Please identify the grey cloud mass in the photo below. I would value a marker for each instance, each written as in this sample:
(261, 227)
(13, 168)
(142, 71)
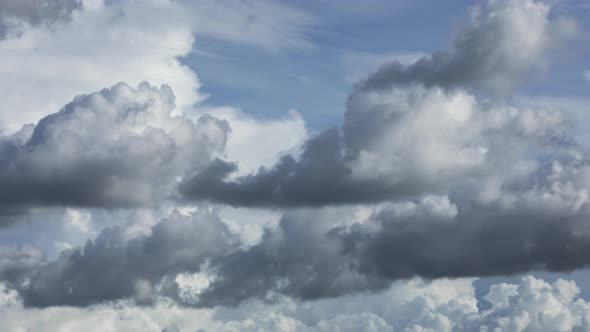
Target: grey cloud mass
(118, 147)
(318, 178)
(430, 239)
(113, 267)
(492, 52)
(33, 12)
(322, 253)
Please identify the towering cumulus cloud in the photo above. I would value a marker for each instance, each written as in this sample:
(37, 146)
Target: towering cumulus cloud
(114, 148)
(417, 129)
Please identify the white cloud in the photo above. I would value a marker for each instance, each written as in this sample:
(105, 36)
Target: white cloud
(101, 45)
(130, 41)
(259, 142)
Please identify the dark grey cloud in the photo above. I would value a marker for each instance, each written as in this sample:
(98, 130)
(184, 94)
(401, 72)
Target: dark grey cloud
(427, 240)
(34, 13)
(413, 130)
(539, 224)
(319, 177)
(118, 147)
(303, 258)
(113, 267)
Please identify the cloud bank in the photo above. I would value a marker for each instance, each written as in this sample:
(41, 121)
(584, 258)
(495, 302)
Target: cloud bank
(530, 305)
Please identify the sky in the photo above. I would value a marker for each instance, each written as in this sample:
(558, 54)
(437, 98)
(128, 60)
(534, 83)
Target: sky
(318, 165)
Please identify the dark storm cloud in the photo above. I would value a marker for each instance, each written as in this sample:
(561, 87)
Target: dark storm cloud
(497, 244)
(318, 178)
(118, 147)
(390, 145)
(34, 13)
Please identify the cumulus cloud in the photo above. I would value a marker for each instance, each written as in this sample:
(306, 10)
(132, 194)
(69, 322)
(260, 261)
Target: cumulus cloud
(495, 51)
(114, 148)
(255, 143)
(415, 129)
(392, 146)
(126, 268)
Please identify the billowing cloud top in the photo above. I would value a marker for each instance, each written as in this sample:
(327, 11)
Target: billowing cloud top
(117, 147)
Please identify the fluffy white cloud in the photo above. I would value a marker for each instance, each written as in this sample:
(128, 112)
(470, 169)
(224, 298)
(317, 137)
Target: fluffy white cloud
(43, 69)
(130, 41)
(255, 143)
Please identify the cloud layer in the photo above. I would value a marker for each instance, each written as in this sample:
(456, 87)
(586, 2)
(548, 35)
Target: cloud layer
(444, 305)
